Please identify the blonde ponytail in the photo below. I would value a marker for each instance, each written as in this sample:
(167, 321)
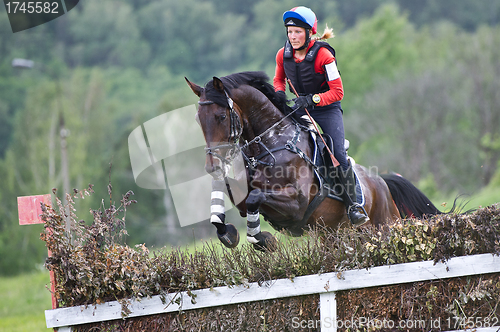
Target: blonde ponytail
(327, 34)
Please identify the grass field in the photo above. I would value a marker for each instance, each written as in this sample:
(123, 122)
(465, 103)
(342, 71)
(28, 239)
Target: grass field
(23, 301)
(484, 198)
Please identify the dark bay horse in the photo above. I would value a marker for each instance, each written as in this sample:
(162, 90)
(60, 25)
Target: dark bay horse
(241, 116)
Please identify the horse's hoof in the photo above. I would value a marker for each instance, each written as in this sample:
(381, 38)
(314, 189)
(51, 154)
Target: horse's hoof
(267, 242)
(230, 238)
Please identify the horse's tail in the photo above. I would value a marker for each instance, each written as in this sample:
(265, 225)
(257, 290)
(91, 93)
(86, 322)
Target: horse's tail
(410, 201)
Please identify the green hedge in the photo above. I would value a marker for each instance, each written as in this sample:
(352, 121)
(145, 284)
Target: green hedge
(92, 265)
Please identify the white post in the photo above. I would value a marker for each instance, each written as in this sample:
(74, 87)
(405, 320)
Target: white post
(64, 329)
(328, 312)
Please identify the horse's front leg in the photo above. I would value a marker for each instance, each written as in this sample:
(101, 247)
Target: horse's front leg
(261, 240)
(227, 233)
(285, 207)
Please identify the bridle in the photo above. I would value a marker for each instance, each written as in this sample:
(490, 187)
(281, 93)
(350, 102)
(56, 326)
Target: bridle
(236, 130)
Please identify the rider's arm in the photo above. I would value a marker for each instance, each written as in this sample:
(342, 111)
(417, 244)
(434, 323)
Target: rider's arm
(279, 80)
(325, 64)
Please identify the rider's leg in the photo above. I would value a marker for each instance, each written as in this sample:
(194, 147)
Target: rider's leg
(356, 213)
(331, 122)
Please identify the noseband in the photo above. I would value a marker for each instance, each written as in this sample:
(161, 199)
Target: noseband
(236, 130)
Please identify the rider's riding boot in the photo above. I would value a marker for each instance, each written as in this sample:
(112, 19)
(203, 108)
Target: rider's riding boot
(356, 213)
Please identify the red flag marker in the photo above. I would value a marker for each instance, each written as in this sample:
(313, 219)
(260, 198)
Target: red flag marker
(30, 210)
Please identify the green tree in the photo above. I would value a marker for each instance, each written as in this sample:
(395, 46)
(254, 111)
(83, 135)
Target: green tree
(375, 48)
(479, 55)
(468, 14)
(440, 120)
(107, 33)
(192, 37)
(32, 163)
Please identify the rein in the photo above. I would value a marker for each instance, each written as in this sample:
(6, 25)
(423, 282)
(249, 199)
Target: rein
(236, 131)
(257, 139)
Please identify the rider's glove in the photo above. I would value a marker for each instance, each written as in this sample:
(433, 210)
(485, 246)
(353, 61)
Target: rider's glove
(303, 102)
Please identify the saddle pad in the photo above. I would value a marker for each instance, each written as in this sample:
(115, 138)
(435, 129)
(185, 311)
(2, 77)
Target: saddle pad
(319, 162)
(360, 196)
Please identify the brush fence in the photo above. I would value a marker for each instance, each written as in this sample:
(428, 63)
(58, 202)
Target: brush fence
(325, 285)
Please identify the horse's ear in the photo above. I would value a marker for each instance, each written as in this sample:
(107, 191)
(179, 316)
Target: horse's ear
(218, 85)
(196, 88)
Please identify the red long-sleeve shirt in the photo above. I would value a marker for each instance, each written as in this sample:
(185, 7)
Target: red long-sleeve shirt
(323, 59)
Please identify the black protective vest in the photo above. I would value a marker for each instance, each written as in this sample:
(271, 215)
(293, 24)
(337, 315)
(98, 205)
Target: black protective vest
(302, 74)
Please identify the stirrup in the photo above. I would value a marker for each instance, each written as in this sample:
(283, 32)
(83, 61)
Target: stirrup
(362, 217)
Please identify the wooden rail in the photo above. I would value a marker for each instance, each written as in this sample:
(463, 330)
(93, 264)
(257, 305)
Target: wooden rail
(326, 285)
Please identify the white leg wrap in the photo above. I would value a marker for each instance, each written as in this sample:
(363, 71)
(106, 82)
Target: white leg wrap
(253, 217)
(217, 208)
(215, 219)
(252, 240)
(253, 226)
(217, 195)
(253, 231)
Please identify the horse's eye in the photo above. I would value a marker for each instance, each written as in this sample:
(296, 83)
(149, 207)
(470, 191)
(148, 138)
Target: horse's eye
(222, 117)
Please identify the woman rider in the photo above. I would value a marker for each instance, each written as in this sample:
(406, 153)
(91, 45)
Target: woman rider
(311, 67)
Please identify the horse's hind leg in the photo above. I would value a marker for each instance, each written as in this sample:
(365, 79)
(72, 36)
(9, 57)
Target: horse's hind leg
(260, 240)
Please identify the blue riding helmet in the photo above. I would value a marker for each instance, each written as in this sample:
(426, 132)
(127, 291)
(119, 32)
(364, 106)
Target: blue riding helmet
(301, 14)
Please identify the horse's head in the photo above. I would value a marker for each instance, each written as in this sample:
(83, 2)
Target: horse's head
(221, 125)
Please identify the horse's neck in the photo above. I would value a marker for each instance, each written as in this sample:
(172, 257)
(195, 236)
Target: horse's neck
(260, 114)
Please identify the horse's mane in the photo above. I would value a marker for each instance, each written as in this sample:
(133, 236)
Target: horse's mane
(256, 79)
